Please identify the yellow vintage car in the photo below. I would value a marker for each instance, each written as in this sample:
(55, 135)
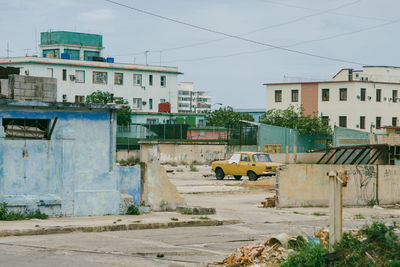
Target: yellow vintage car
(251, 164)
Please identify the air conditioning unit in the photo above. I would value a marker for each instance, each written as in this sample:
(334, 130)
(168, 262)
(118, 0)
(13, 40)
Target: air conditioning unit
(27, 72)
(358, 97)
(369, 98)
(358, 126)
(72, 77)
(385, 98)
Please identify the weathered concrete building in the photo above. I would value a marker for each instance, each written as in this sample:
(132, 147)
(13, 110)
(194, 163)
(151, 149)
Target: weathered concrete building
(61, 158)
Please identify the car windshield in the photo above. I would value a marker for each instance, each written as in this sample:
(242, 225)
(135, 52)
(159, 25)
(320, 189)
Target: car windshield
(261, 158)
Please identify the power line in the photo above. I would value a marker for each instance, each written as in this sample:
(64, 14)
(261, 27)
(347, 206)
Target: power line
(314, 9)
(234, 36)
(250, 32)
(295, 44)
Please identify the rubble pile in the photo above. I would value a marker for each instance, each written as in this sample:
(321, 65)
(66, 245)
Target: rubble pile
(272, 252)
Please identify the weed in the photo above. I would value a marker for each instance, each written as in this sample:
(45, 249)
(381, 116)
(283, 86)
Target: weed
(132, 161)
(193, 168)
(307, 256)
(204, 218)
(179, 170)
(174, 219)
(371, 203)
(187, 213)
(133, 210)
(359, 217)
(119, 220)
(195, 162)
(297, 212)
(170, 163)
(319, 214)
(6, 215)
(183, 163)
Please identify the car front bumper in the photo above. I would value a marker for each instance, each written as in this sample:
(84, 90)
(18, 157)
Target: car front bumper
(268, 173)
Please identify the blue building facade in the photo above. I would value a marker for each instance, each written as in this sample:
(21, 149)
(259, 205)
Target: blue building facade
(61, 158)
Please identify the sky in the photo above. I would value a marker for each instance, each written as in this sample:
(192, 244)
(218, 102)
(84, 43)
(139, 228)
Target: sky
(351, 33)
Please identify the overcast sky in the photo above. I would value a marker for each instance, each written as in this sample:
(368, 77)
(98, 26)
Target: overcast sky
(232, 70)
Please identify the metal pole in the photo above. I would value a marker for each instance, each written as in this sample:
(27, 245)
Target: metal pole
(335, 209)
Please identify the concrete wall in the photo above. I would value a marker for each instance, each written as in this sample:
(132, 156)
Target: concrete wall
(125, 154)
(32, 88)
(303, 185)
(181, 152)
(158, 192)
(72, 174)
(300, 157)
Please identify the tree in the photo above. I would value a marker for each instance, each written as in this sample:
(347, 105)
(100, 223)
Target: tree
(226, 117)
(295, 119)
(123, 114)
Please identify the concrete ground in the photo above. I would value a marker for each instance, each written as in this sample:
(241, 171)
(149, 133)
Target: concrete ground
(187, 246)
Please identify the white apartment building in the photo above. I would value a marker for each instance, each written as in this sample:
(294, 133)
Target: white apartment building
(191, 101)
(355, 99)
(75, 60)
(143, 86)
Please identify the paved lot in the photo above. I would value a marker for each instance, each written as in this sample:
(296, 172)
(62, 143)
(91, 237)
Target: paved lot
(191, 246)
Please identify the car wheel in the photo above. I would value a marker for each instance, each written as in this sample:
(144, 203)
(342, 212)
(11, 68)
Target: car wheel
(219, 174)
(252, 176)
(237, 177)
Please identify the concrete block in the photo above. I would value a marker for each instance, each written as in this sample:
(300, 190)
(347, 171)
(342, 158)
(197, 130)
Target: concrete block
(195, 210)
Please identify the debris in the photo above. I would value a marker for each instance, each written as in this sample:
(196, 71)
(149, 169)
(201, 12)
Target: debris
(323, 235)
(377, 207)
(270, 202)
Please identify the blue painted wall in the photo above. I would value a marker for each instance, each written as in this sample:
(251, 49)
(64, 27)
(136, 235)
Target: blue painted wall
(74, 173)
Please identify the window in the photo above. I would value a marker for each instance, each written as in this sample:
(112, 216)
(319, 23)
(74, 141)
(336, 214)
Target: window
(394, 121)
(137, 79)
(64, 74)
(278, 95)
(26, 128)
(163, 81)
(203, 133)
(325, 94)
(150, 80)
(378, 95)
(118, 78)
(378, 122)
(343, 94)
(245, 157)
(79, 99)
(343, 121)
(362, 94)
(80, 76)
(137, 103)
(64, 98)
(295, 95)
(99, 77)
(162, 100)
(150, 103)
(325, 120)
(362, 122)
(394, 95)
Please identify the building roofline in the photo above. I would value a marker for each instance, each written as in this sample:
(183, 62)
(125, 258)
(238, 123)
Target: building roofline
(72, 45)
(330, 82)
(56, 105)
(168, 114)
(89, 64)
(375, 66)
(340, 72)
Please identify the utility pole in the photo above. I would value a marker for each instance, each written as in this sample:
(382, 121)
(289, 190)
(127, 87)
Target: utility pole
(160, 56)
(27, 51)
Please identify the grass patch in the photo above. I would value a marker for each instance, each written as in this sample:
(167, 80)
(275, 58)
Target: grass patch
(174, 219)
(371, 203)
(297, 212)
(132, 161)
(359, 217)
(319, 214)
(6, 215)
(193, 168)
(133, 210)
(184, 163)
(204, 218)
(179, 170)
(379, 247)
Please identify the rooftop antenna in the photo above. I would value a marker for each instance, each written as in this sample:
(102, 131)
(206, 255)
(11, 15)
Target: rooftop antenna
(160, 56)
(27, 51)
(145, 54)
(134, 60)
(36, 43)
(8, 49)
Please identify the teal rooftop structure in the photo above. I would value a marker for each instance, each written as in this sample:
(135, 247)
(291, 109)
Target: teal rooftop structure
(71, 45)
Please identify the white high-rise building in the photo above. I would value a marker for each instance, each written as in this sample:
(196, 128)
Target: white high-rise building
(191, 101)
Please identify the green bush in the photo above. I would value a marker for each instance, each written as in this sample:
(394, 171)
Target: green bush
(6, 215)
(133, 210)
(307, 256)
